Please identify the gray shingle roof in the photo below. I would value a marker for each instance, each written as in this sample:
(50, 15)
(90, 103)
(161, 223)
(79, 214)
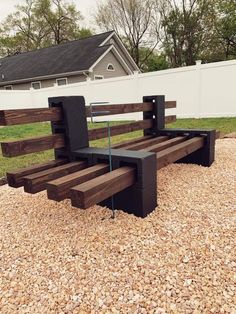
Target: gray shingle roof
(77, 55)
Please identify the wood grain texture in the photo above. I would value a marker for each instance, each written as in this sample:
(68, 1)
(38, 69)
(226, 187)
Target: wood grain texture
(98, 189)
(146, 143)
(59, 189)
(126, 108)
(99, 133)
(36, 182)
(15, 178)
(32, 145)
(95, 134)
(23, 116)
(170, 119)
(133, 141)
(170, 104)
(120, 108)
(165, 144)
(176, 152)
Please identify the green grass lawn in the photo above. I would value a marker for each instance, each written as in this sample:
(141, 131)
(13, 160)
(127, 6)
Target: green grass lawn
(224, 125)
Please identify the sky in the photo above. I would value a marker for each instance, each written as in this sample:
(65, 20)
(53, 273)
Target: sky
(85, 6)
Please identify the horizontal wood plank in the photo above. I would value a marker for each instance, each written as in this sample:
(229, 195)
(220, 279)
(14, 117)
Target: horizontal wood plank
(165, 144)
(23, 116)
(99, 133)
(147, 143)
(133, 141)
(125, 108)
(98, 189)
(120, 108)
(170, 104)
(59, 189)
(15, 178)
(32, 145)
(36, 182)
(95, 134)
(170, 119)
(176, 152)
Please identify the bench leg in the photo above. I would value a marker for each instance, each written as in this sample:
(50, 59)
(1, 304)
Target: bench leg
(204, 156)
(139, 202)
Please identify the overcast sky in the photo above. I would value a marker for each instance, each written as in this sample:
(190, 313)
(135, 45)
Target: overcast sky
(85, 6)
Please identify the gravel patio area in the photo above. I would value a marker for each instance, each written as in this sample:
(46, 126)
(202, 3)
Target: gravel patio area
(181, 259)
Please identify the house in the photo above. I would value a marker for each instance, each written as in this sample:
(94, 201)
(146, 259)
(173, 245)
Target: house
(96, 57)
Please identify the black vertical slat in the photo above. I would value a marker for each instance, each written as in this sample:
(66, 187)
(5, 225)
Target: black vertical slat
(73, 125)
(157, 114)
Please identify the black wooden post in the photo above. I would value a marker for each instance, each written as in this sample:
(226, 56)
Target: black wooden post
(157, 114)
(73, 126)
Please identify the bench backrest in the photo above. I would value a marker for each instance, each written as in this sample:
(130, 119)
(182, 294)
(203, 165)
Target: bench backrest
(69, 124)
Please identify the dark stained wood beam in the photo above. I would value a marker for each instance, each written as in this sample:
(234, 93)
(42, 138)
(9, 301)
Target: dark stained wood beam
(146, 143)
(126, 108)
(59, 189)
(32, 145)
(99, 133)
(95, 134)
(120, 108)
(96, 190)
(23, 116)
(165, 144)
(36, 182)
(176, 152)
(170, 104)
(170, 119)
(15, 178)
(133, 141)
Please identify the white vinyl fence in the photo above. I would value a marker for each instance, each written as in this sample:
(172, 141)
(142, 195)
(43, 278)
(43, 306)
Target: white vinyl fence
(203, 90)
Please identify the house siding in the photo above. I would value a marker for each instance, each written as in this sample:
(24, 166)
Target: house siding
(122, 54)
(47, 83)
(101, 67)
(76, 79)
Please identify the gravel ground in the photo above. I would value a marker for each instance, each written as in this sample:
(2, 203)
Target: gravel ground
(181, 259)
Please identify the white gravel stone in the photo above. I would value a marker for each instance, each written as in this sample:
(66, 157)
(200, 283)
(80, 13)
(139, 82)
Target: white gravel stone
(180, 259)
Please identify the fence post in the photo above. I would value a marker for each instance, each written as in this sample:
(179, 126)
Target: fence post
(199, 88)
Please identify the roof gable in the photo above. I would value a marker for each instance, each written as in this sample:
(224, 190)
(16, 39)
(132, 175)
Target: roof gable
(115, 40)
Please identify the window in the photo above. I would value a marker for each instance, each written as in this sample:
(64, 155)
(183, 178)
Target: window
(36, 85)
(98, 77)
(8, 87)
(61, 81)
(110, 67)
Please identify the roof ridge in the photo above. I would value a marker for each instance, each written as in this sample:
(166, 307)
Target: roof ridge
(64, 43)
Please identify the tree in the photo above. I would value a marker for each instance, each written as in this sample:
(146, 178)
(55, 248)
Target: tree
(23, 30)
(226, 27)
(38, 24)
(135, 21)
(62, 19)
(187, 29)
(155, 62)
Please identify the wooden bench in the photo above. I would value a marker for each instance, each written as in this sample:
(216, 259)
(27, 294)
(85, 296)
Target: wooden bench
(82, 173)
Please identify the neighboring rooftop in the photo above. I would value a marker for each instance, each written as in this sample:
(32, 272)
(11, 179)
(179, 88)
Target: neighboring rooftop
(74, 56)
